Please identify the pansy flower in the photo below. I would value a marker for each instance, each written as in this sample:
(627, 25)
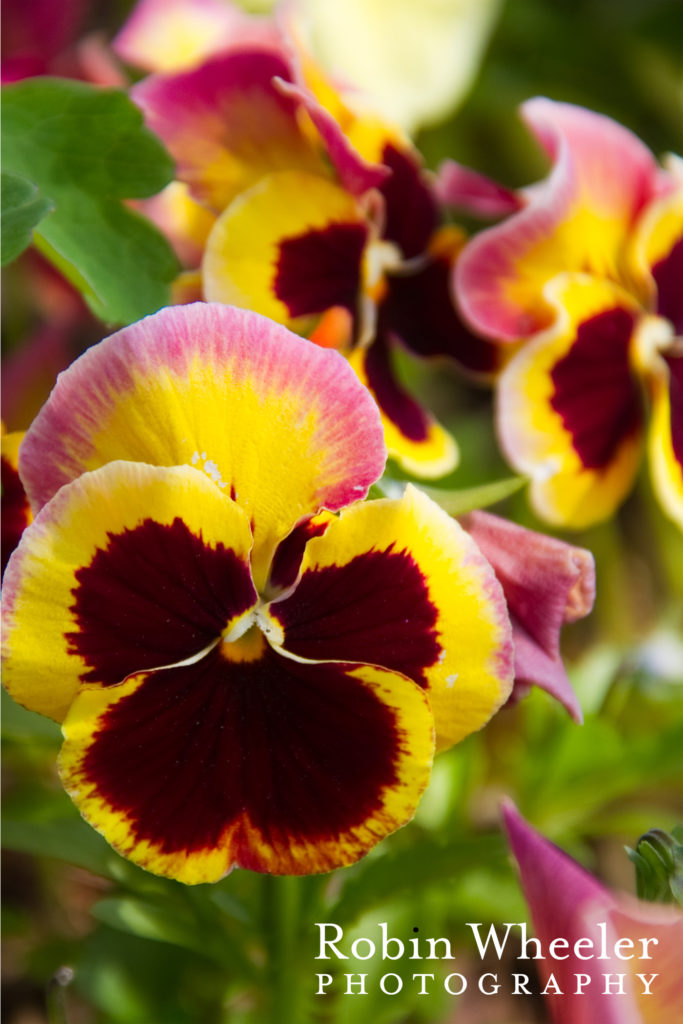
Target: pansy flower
(251, 665)
(603, 935)
(325, 221)
(588, 276)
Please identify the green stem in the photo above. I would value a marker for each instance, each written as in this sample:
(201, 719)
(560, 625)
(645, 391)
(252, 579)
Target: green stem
(281, 917)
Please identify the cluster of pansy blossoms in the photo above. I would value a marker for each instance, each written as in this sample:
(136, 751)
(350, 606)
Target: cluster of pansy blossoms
(582, 284)
(297, 201)
(252, 665)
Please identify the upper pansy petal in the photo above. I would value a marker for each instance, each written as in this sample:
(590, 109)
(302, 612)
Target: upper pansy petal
(258, 761)
(16, 510)
(413, 437)
(226, 124)
(665, 442)
(291, 246)
(546, 583)
(172, 35)
(577, 219)
(129, 567)
(282, 426)
(400, 584)
(570, 405)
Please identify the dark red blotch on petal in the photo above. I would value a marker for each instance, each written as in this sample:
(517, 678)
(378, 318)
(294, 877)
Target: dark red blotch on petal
(420, 310)
(596, 393)
(393, 400)
(16, 511)
(675, 364)
(411, 211)
(321, 269)
(668, 275)
(304, 750)
(375, 609)
(155, 595)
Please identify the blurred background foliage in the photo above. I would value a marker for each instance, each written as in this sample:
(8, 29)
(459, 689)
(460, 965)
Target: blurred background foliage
(91, 939)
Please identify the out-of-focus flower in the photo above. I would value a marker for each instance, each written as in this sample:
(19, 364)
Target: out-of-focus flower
(410, 60)
(568, 903)
(16, 511)
(588, 276)
(244, 676)
(326, 222)
(546, 583)
(44, 37)
(174, 35)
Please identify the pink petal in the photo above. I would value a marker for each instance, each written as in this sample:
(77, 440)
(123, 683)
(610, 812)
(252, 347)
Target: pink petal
(546, 583)
(468, 190)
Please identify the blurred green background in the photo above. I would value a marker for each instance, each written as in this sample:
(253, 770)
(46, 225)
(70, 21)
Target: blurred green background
(90, 939)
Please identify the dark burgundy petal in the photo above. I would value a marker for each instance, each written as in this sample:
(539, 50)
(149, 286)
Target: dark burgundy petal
(321, 269)
(394, 402)
(675, 364)
(286, 562)
(598, 364)
(411, 212)
(16, 511)
(420, 310)
(155, 595)
(668, 275)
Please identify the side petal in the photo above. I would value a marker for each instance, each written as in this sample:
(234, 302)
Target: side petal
(578, 219)
(289, 247)
(226, 124)
(16, 510)
(665, 442)
(279, 424)
(473, 193)
(400, 584)
(413, 437)
(129, 567)
(265, 764)
(570, 405)
(546, 583)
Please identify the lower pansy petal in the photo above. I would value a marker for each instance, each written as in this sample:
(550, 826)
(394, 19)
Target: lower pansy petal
(278, 424)
(570, 405)
(129, 567)
(259, 762)
(666, 436)
(413, 437)
(289, 247)
(400, 584)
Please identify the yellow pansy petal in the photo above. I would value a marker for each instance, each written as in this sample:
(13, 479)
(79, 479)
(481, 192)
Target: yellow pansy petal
(128, 568)
(400, 584)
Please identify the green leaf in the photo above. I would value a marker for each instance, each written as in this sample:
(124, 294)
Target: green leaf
(22, 208)
(87, 149)
(65, 839)
(458, 503)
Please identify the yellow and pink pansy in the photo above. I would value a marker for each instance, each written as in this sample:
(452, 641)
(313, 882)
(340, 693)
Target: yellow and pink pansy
(251, 667)
(318, 210)
(584, 282)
